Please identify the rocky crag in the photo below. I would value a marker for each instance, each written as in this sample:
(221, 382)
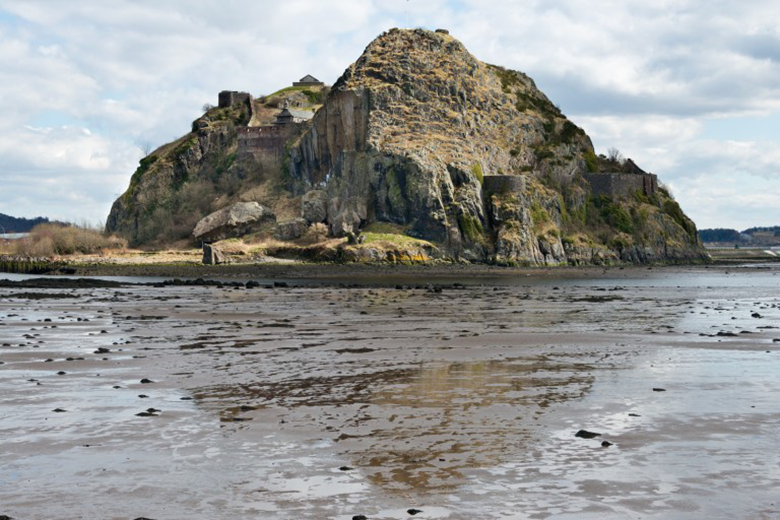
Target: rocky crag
(420, 135)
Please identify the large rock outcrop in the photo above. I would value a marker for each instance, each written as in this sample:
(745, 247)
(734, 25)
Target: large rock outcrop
(239, 219)
(420, 137)
(413, 130)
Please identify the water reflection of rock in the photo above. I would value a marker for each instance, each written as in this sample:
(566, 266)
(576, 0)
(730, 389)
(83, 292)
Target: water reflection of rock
(448, 418)
(421, 428)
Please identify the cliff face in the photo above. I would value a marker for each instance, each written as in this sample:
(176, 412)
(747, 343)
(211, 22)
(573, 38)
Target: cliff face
(181, 182)
(474, 157)
(420, 134)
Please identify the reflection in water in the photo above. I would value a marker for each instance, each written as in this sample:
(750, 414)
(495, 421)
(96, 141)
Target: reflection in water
(459, 416)
(419, 428)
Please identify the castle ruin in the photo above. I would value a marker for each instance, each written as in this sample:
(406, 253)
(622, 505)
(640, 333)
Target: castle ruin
(622, 185)
(228, 98)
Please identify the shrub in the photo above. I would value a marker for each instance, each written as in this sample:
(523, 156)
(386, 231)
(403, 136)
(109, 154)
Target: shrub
(316, 97)
(569, 132)
(66, 239)
(614, 156)
(673, 209)
(274, 101)
(476, 169)
(315, 233)
(543, 153)
(539, 214)
(618, 217)
(591, 161)
(507, 77)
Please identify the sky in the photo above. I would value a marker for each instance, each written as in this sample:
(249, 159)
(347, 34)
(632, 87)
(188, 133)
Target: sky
(689, 89)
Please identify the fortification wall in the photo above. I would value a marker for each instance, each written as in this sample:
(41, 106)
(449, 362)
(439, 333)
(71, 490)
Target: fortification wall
(267, 141)
(228, 98)
(622, 185)
(500, 184)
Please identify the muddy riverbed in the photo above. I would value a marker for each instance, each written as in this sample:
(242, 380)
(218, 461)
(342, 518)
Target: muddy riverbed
(452, 399)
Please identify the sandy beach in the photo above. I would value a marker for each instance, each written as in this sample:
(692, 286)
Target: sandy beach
(454, 393)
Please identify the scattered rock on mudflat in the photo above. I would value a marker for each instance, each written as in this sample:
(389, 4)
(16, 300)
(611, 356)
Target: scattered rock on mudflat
(146, 381)
(413, 511)
(659, 389)
(606, 444)
(585, 434)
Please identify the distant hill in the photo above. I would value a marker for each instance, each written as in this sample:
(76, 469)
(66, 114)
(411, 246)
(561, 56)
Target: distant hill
(19, 225)
(756, 236)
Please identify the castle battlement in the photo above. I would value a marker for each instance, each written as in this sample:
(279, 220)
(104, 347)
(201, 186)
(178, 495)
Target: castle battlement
(622, 185)
(228, 98)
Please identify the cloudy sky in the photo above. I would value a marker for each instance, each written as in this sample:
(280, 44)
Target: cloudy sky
(690, 89)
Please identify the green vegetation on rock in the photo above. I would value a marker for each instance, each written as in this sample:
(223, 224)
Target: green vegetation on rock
(470, 227)
(476, 170)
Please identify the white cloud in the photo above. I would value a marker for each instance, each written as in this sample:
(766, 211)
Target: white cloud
(643, 77)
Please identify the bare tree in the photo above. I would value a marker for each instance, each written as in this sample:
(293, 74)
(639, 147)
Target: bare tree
(145, 147)
(614, 156)
(207, 107)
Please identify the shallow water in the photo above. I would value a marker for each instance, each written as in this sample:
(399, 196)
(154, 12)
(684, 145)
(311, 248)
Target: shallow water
(462, 403)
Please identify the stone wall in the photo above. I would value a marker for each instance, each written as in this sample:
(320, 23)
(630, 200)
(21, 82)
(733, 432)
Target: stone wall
(268, 140)
(622, 185)
(228, 98)
(500, 184)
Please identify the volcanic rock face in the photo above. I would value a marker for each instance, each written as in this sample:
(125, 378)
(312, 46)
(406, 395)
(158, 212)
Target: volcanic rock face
(420, 134)
(413, 130)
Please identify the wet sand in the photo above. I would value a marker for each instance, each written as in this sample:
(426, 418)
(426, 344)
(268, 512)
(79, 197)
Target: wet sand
(462, 401)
